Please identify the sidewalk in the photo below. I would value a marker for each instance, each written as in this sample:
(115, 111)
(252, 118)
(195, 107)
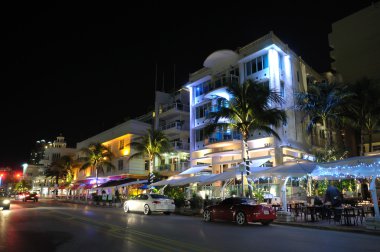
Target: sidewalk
(325, 225)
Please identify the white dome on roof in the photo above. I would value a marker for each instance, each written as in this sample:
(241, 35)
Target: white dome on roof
(221, 58)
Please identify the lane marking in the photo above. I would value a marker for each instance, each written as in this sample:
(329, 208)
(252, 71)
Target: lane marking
(156, 242)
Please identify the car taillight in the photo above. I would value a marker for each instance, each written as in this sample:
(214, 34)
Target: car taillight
(156, 202)
(37, 195)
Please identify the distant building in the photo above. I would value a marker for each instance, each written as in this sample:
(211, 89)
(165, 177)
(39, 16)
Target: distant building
(355, 40)
(172, 114)
(45, 153)
(118, 140)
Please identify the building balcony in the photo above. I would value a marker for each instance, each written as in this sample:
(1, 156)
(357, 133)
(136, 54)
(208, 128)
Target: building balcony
(222, 139)
(218, 86)
(181, 146)
(172, 169)
(172, 110)
(174, 127)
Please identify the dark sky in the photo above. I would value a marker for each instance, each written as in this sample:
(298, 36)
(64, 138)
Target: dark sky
(78, 69)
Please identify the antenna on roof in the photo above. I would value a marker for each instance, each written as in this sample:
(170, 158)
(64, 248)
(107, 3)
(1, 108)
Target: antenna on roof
(174, 78)
(163, 82)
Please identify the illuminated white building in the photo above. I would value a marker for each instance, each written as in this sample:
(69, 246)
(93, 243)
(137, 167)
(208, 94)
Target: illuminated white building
(267, 59)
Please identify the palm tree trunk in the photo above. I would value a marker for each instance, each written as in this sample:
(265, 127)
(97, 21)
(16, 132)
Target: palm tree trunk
(246, 163)
(361, 142)
(56, 184)
(370, 140)
(96, 175)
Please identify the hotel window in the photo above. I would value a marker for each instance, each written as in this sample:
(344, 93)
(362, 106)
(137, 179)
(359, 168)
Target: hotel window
(282, 89)
(257, 64)
(121, 144)
(248, 68)
(199, 135)
(120, 164)
(280, 61)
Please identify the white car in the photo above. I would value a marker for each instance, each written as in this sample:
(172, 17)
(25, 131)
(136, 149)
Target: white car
(148, 203)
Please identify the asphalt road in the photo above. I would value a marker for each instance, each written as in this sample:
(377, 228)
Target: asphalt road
(49, 225)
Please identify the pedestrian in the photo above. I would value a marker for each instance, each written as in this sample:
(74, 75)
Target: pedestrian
(333, 195)
(125, 192)
(104, 197)
(117, 194)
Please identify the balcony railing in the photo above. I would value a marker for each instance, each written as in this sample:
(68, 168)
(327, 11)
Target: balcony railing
(177, 106)
(179, 145)
(223, 136)
(177, 167)
(225, 80)
(173, 125)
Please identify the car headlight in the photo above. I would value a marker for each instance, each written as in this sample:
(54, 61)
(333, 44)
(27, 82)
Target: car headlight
(6, 201)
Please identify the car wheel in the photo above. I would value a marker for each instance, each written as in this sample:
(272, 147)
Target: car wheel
(266, 222)
(167, 213)
(126, 208)
(207, 215)
(147, 210)
(240, 218)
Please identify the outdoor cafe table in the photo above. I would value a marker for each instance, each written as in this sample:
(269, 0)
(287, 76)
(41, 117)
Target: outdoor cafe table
(349, 215)
(312, 211)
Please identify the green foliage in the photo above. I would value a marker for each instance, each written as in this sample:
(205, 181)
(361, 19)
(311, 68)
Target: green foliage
(176, 193)
(321, 186)
(23, 186)
(329, 154)
(196, 202)
(347, 184)
(258, 193)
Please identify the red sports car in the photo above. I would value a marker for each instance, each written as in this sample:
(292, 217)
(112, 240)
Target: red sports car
(240, 210)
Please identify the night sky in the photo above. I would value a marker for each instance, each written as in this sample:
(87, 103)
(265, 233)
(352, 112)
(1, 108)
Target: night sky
(79, 69)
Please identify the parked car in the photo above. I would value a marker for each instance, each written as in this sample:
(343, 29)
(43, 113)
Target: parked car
(5, 202)
(239, 210)
(30, 196)
(148, 203)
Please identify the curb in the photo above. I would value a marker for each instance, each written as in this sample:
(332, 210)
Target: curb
(332, 228)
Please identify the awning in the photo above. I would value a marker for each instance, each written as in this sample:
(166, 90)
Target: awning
(189, 180)
(293, 169)
(74, 187)
(196, 169)
(363, 166)
(256, 162)
(134, 183)
(89, 186)
(221, 177)
(168, 181)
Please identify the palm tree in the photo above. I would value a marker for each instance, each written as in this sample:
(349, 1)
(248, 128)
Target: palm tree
(98, 157)
(365, 112)
(249, 109)
(152, 145)
(323, 104)
(60, 169)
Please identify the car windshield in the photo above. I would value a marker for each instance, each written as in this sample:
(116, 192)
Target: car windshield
(159, 196)
(248, 201)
